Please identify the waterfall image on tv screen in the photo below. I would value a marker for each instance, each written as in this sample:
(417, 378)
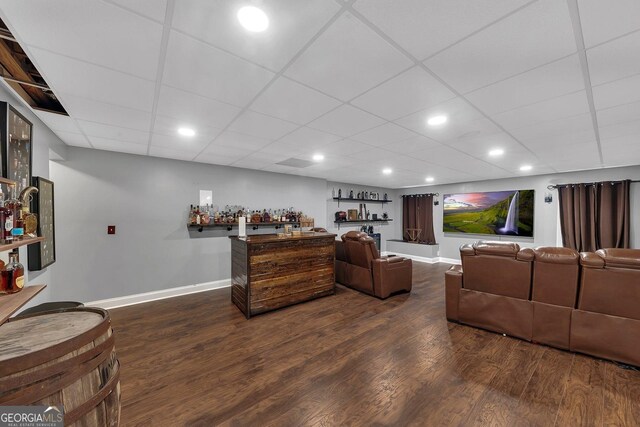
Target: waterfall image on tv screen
(493, 212)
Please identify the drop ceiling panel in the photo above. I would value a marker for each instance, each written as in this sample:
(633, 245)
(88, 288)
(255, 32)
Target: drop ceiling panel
(81, 79)
(171, 153)
(385, 134)
(410, 145)
(549, 81)
(615, 60)
(623, 91)
(536, 35)
(292, 23)
(480, 145)
(458, 113)
(197, 67)
(187, 145)
(194, 110)
(73, 139)
(57, 121)
(346, 121)
(153, 9)
(347, 59)
(307, 138)
(291, 101)
(118, 145)
(260, 125)
(100, 112)
(425, 27)
(619, 114)
(631, 129)
(90, 30)
(92, 129)
(604, 20)
(169, 126)
(241, 140)
(559, 107)
(568, 131)
(411, 91)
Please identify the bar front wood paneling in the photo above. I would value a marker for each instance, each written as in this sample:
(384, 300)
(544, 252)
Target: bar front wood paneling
(269, 272)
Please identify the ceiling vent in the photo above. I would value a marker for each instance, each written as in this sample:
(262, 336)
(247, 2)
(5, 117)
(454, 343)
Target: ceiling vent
(295, 163)
(19, 72)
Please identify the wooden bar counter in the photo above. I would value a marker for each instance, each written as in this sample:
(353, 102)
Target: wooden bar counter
(269, 272)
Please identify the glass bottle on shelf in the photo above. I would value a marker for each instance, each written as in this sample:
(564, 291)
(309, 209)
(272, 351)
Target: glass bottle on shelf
(4, 216)
(15, 206)
(12, 275)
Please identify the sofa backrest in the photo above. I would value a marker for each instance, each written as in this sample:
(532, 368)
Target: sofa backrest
(499, 268)
(556, 273)
(360, 248)
(610, 282)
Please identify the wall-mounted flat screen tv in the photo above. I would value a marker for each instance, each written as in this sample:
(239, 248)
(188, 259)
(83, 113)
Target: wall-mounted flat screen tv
(495, 212)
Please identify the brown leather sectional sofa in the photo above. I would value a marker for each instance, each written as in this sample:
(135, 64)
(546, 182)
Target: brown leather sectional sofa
(360, 266)
(588, 303)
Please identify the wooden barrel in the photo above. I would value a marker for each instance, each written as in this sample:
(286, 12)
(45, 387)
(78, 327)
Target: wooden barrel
(64, 358)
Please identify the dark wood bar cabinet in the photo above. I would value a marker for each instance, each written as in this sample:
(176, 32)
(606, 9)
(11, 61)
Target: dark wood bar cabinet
(270, 271)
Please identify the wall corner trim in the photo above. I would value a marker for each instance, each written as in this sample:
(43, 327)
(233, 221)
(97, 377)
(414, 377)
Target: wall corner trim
(127, 300)
(434, 260)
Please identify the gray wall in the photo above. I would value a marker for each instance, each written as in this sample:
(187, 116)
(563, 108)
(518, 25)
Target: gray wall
(43, 141)
(148, 200)
(546, 224)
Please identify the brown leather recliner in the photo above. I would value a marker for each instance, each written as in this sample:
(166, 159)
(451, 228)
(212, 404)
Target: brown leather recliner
(606, 322)
(368, 272)
(554, 293)
(495, 288)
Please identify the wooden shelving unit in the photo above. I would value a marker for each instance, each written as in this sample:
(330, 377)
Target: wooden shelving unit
(360, 221)
(25, 241)
(349, 199)
(11, 303)
(250, 225)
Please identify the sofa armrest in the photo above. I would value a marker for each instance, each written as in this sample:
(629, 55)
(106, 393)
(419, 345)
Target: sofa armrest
(452, 286)
(391, 275)
(591, 260)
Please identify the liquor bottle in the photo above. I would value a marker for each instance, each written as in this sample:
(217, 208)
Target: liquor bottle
(4, 215)
(12, 275)
(15, 206)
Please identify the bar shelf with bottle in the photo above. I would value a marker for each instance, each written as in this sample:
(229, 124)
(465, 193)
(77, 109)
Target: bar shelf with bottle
(13, 293)
(233, 216)
(361, 221)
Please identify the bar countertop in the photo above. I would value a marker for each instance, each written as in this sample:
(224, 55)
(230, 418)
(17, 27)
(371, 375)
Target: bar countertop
(269, 238)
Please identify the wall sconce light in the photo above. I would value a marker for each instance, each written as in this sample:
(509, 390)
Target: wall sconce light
(436, 202)
(548, 198)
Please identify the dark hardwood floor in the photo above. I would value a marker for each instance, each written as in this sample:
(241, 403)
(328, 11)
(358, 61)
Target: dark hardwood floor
(351, 359)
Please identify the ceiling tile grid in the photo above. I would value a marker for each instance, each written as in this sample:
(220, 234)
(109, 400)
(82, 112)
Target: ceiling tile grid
(354, 81)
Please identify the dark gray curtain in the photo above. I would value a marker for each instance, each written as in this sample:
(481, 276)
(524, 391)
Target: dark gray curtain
(595, 216)
(417, 213)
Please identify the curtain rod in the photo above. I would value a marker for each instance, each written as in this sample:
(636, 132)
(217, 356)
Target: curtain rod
(420, 195)
(553, 187)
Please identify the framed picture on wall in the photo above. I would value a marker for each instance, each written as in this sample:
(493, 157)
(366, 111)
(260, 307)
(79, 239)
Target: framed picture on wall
(17, 151)
(43, 254)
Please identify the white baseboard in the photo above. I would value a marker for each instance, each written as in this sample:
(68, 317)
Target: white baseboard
(434, 260)
(158, 295)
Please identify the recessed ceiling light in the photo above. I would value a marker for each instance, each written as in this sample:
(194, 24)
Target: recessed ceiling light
(526, 168)
(318, 157)
(496, 152)
(186, 131)
(387, 171)
(437, 120)
(429, 179)
(253, 19)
